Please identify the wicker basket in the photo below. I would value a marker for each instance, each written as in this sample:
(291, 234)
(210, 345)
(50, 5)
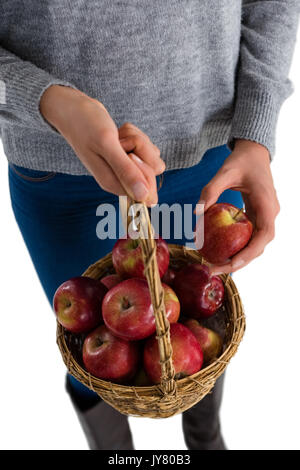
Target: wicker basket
(171, 396)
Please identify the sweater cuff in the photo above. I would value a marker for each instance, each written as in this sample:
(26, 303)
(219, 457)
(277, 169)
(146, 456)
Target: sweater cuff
(23, 95)
(255, 118)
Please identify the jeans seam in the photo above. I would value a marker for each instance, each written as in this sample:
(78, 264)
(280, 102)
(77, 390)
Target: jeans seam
(32, 179)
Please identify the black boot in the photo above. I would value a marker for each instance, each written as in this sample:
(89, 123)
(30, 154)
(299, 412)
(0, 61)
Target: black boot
(201, 425)
(104, 427)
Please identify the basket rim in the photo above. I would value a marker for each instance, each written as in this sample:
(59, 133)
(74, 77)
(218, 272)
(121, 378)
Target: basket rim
(239, 329)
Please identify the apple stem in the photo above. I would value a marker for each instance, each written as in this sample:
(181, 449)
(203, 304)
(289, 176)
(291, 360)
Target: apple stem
(125, 304)
(238, 213)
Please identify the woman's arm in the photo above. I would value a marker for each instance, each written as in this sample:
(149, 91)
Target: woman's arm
(31, 97)
(123, 161)
(268, 37)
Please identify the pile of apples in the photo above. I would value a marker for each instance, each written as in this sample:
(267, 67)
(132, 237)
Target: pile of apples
(116, 317)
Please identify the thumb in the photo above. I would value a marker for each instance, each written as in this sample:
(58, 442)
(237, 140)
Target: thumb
(218, 184)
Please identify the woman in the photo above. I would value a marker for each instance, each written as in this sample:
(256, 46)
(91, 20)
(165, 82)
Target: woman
(98, 98)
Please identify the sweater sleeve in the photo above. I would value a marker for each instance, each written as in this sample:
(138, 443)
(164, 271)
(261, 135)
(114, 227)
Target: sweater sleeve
(21, 86)
(268, 35)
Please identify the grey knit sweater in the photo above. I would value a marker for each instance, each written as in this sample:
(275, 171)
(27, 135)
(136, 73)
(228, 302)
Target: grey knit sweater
(192, 74)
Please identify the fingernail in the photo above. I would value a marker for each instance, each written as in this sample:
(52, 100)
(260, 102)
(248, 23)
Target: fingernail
(152, 202)
(140, 191)
(238, 263)
(199, 209)
(136, 158)
(216, 273)
(162, 166)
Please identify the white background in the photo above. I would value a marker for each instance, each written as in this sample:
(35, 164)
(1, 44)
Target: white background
(261, 400)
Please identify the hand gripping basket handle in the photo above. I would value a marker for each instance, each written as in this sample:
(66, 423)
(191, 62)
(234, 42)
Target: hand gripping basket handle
(148, 245)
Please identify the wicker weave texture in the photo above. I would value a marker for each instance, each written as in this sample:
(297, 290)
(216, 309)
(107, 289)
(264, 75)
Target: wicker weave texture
(171, 396)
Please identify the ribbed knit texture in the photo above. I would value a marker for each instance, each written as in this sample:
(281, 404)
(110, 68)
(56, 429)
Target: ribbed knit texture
(255, 119)
(192, 75)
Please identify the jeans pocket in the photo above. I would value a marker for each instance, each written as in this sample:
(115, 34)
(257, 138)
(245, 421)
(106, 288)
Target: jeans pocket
(32, 175)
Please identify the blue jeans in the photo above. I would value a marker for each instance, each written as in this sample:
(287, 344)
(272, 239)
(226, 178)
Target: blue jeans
(56, 214)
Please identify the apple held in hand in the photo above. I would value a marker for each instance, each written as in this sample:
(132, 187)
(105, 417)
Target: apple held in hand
(128, 261)
(78, 304)
(187, 354)
(108, 357)
(199, 293)
(227, 230)
(211, 343)
(128, 312)
(111, 280)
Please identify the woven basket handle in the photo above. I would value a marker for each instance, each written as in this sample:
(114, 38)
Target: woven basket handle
(148, 245)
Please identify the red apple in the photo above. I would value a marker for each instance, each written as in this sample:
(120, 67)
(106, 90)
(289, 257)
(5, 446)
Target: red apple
(111, 280)
(199, 293)
(108, 357)
(169, 276)
(227, 230)
(77, 304)
(128, 312)
(172, 304)
(128, 260)
(141, 379)
(211, 343)
(187, 354)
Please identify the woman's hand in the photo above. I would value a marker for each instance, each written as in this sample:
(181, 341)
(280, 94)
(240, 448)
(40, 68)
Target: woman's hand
(101, 146)
(247, 169)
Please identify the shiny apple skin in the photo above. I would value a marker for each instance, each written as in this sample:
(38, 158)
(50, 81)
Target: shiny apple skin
(211, 342)
(200, 294)
(111, 280)
(128, 260)
(172, 304)
(224, 236)
(77, 304)
(128, 312)
(187, 354)
(110, 358)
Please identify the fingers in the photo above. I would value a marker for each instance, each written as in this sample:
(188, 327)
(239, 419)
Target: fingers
(104, 175)
(223, 180)
(130, 129)
(254, 249)
(150, 177)
(247, 169)
(108, 180)
(146, 151)
(129, 174)
(134, 140)
(94, 138)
